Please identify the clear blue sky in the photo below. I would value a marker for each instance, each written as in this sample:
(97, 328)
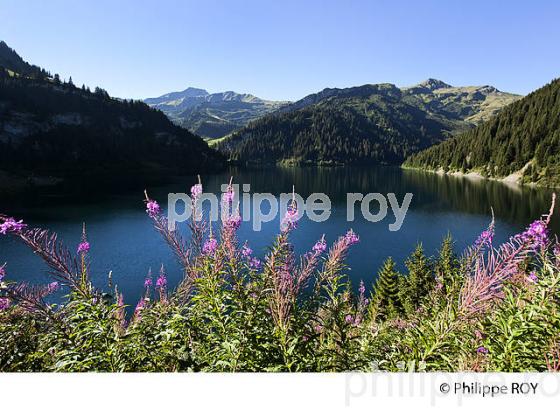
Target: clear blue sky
(286, 49)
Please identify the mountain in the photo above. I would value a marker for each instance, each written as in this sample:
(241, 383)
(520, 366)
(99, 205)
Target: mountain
(473, 104)
(369, 124)
(11, 62)
(521, 143)
(53, 131)
(212, 115)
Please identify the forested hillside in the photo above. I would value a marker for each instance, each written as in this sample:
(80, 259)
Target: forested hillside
(524, 138)
(50, 129)
(370, 124)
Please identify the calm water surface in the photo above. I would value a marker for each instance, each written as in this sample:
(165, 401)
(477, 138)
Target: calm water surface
(123, 240)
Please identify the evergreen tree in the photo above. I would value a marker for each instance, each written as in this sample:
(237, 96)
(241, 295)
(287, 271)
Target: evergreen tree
(447, 264)
(386, 297)
(420, 280)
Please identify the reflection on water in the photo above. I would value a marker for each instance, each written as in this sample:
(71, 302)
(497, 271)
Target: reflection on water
(124, 242)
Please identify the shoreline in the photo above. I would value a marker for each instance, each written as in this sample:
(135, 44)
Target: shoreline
(513, 180)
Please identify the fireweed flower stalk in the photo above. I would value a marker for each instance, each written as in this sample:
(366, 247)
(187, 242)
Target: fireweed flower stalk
(161, 285)
(308, 265)
(64, 267)
(2, 272)
(252, 262)
(484, 241)
(83, 249)
(197, 225)
(337, 314)
(286, 280)
(31, 298)
(4, 302)
(120, 314)
(173, 238)
(280, 271)
(279, 268)
(490, 271)
(289, 221)
(362, 304)
(175, 241)
(338, 253)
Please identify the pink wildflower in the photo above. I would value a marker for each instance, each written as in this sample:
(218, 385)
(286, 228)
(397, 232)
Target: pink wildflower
(320, 246)
(83, 247)
(152, 208)
(362, 289)
(228, 196)
(233, 222)
(482, 350)
(10, 225)
(255, 263)
(246, 251)
(351, 237)
(536, 233)
(484, 239)
(533, 278)
(289, 222)
(53, 287)
(4, 303)
(196, 191)
(210, 246)
(139, 307)
(161, 281)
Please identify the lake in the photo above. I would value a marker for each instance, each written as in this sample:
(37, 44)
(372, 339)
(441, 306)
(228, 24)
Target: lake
(124, 242)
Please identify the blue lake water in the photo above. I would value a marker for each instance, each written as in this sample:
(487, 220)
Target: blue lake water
(124, 242)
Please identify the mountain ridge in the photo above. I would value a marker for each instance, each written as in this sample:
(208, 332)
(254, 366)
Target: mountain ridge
(212, 115)
(368, 117)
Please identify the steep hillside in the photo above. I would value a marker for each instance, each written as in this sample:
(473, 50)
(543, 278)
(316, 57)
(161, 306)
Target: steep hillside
(370, 124)
(521, 143)
(52, 130)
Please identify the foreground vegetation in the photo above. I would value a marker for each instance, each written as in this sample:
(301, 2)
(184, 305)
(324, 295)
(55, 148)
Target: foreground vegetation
(492, 309)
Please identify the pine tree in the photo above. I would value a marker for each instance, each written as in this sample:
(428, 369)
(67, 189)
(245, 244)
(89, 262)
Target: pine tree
(386, 298)
(446, 268)
(420, 280)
